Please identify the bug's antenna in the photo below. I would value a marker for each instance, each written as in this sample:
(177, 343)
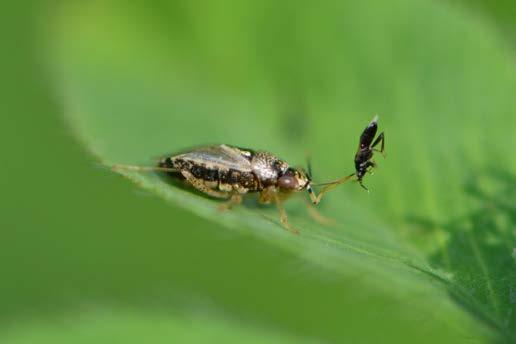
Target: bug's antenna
(119, 167)
(309, 166)
(311, 193)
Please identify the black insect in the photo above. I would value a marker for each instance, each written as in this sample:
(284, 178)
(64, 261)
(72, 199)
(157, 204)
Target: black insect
(364, 155)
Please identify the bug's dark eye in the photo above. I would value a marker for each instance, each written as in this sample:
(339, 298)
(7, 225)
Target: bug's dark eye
(287, 182)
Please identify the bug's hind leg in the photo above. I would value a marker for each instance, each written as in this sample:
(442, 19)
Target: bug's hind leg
(235, 199)
(199, 185)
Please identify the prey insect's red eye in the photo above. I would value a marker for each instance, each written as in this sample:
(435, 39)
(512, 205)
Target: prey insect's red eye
(287, 182)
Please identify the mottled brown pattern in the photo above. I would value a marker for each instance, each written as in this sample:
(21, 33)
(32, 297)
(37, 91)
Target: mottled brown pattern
(260, 170)
(209, 174)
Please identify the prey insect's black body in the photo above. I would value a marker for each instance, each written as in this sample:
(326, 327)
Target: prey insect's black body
(364, 155)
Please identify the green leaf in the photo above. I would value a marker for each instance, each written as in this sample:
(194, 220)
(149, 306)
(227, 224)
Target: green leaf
(436, 232)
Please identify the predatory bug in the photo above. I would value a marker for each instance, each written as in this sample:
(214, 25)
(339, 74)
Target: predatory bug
(228, 172)
(363, 157)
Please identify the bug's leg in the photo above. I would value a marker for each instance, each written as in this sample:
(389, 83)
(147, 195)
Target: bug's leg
(119, 167)
(317, 216)
(266, 196)
(380, 138)
(199, 185)
(283, 215)
(331, 186)
(235, 199)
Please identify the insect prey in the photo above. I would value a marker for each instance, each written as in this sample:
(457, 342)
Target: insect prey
(363, 157)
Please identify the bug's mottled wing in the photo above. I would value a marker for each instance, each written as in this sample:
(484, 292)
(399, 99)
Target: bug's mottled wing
(219, 157)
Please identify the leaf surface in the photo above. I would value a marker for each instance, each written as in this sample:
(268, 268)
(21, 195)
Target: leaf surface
(439, 225)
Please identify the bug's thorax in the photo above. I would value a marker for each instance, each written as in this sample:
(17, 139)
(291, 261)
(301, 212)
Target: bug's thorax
(267, 168)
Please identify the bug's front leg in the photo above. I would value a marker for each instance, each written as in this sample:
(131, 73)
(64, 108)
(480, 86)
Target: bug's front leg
(283, 215)
(271, 195)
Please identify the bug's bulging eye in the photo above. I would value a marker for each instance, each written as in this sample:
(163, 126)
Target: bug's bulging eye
(287, 182)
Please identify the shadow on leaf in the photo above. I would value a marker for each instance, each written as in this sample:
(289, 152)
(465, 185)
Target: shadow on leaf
(480, 251)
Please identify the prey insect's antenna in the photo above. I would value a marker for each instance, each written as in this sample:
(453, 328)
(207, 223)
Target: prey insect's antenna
(119, 167)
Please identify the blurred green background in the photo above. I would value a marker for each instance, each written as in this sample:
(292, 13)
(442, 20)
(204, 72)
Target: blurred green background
(89, 257)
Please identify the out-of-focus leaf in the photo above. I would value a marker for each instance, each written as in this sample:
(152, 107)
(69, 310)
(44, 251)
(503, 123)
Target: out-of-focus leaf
(128, 326)
(140, 81)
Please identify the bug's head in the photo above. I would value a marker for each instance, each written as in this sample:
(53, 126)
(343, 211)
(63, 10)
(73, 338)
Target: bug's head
(294, 179)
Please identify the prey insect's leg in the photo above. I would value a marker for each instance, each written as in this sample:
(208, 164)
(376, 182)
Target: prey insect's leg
(331, 186)
(235, 199)
(380, 138)
(363, 186)
(283, 215)
(199, 185)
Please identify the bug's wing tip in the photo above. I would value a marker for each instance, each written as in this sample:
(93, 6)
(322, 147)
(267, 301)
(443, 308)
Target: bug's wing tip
(375, 119)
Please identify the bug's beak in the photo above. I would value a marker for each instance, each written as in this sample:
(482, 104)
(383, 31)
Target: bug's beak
(311, 192)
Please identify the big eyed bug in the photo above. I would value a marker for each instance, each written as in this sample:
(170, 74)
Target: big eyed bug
(228, 172)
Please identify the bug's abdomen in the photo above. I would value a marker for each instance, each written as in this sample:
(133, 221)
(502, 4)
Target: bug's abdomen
(237, 180)
(170, 164)
(215, 177)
